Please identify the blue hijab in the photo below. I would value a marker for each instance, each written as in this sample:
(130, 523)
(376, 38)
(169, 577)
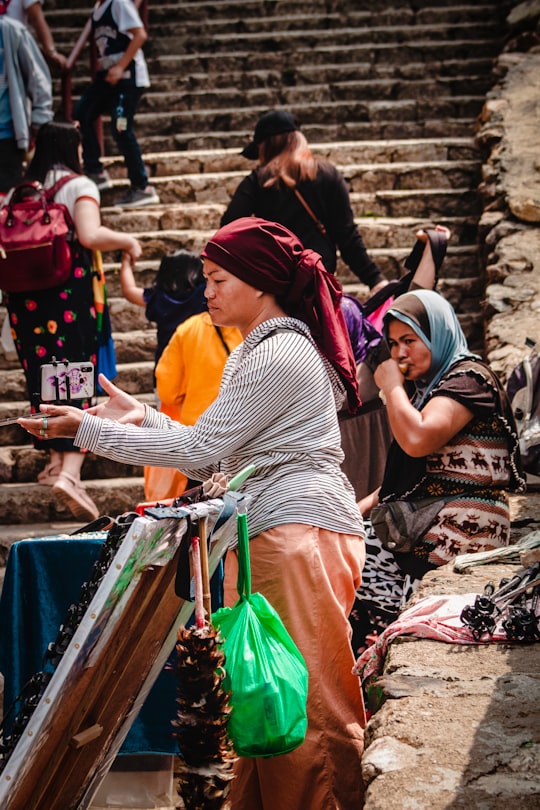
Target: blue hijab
(433, 319)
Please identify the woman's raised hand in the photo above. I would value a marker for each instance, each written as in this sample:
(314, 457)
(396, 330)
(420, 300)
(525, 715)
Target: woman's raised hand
(387, 375)
(120, 407)
(423, 237)
(425, 275)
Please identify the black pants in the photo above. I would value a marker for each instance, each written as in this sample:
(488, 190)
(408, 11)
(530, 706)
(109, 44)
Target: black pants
(104, 98)
(11, 163)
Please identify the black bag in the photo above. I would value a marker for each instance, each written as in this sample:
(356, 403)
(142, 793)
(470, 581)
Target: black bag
(35, 239)
(400, 525)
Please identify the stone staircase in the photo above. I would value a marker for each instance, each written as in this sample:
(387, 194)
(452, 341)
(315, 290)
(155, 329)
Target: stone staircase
(388, 91)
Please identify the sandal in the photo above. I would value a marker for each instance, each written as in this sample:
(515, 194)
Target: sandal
(73, 495)
(49, 475)
(438, 240)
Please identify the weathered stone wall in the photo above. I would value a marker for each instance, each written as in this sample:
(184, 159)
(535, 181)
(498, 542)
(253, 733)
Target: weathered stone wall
(459, 725)
(510, 226)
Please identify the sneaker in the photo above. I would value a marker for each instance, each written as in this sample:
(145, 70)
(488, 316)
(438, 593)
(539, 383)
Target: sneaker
(101, 179)
(138, 197)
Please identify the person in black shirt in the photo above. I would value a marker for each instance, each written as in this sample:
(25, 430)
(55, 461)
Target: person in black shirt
(323, 219)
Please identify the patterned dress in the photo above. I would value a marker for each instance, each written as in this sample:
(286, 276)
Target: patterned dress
(59, 322)
(478, 466)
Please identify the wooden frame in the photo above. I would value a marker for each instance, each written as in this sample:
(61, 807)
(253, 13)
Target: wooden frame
(113, 660)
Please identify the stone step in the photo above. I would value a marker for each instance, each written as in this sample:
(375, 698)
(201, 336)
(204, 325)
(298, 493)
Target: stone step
(199, 161)
(256, 31)
(217, 187)
(357, 120)
(193, 238)
(288, 35)
(459, 93)
(262, 16)
(385, 234)
(412, 40)
(26, 531)
(33, 503)
(431, 204)
(391, 53)
(217, 137)
(385, 9)
(20, 464)
(228, 53)
(332, 84)
(403, 79)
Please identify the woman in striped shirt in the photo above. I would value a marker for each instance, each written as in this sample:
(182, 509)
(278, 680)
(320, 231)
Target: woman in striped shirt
(276, 409)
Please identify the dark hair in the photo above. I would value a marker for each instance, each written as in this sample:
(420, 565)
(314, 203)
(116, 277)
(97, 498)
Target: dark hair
(179, 273)
(57, 144)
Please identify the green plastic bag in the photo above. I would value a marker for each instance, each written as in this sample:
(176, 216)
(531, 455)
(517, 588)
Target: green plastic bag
(264, 670)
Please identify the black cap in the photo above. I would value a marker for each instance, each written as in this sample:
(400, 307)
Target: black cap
(271, 123)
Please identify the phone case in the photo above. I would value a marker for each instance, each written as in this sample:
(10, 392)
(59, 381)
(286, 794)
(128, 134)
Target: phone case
(67, 381)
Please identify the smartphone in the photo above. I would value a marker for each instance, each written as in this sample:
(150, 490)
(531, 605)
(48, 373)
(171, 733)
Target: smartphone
(65, 381)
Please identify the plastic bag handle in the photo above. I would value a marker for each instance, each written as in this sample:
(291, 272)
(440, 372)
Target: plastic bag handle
(243, 583)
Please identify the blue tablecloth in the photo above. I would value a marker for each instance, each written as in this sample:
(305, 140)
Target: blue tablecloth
(43, 578)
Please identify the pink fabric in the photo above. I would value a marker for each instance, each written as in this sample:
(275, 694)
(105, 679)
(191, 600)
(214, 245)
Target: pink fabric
(376, 317)
(433, 617)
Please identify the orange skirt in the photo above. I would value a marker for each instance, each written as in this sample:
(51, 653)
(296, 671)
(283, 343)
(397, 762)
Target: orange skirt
(310, 576)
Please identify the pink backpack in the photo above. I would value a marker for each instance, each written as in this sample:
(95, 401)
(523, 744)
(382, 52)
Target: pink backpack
(36, 234)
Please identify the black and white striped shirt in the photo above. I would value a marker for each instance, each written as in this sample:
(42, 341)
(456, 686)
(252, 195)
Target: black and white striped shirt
(276, 409)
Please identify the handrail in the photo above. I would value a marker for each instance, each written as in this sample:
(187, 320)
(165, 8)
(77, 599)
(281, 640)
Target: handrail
(67, 95)
(67, 98)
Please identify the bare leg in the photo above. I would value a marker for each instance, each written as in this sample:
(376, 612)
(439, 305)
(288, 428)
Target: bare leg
(49, 474)
(70, 491)
(72, 464)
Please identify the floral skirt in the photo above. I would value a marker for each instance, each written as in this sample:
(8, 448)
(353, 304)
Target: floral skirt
(60, 323)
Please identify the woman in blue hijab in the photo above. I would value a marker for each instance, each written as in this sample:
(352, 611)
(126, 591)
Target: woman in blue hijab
(454, 453)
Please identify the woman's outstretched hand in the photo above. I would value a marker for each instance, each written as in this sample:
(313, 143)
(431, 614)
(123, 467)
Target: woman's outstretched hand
(58, 422)
(62, 421)
(120, 407)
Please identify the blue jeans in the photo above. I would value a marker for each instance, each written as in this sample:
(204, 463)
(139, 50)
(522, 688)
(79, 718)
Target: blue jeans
(103, 98)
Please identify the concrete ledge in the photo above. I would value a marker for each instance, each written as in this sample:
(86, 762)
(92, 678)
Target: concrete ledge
(460, 725)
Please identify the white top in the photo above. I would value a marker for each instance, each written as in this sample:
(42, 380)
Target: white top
(80, 186)
(276, 408)
(18, 9)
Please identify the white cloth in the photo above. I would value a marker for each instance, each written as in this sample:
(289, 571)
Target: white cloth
(275, 409)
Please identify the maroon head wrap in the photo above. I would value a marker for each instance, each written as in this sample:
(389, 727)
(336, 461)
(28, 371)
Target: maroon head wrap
(271, 258)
